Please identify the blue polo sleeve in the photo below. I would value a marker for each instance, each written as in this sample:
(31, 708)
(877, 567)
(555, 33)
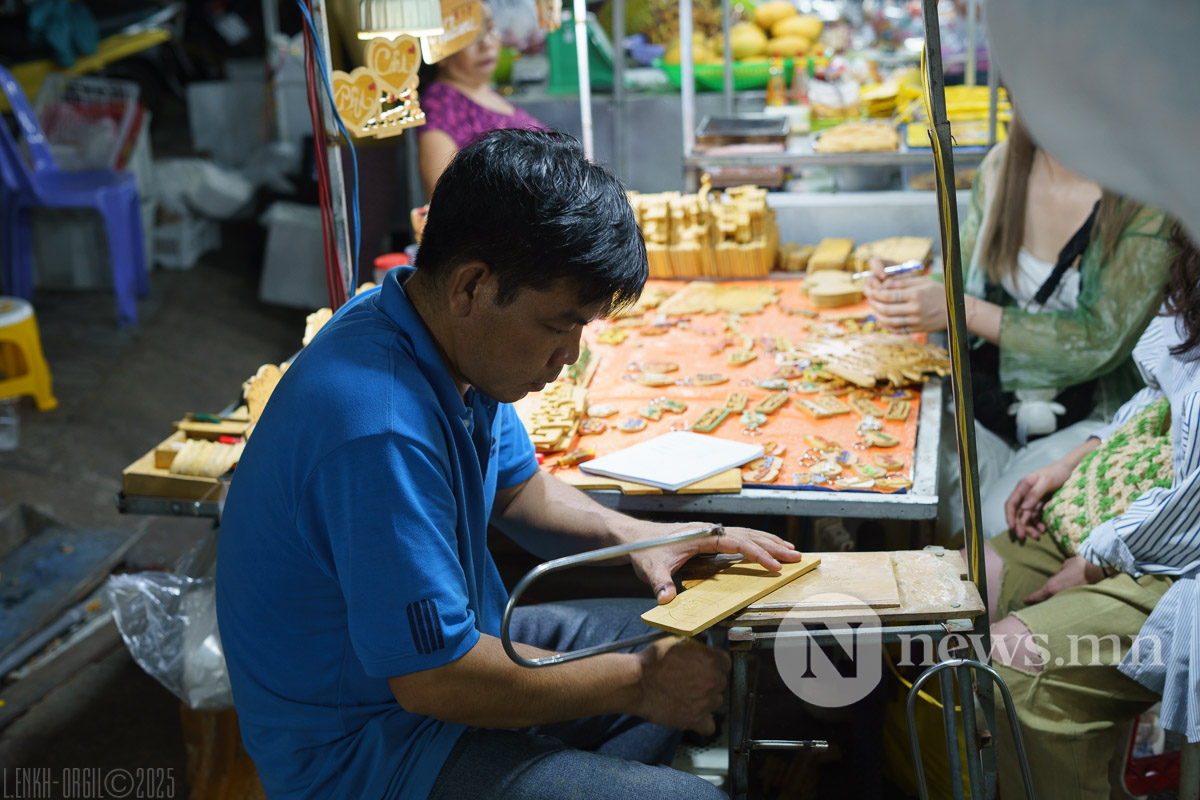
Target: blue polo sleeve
(516, 460)
(380, 514)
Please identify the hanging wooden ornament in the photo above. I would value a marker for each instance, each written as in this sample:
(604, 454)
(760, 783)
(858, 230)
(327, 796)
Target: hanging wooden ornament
(394, 63)
(463, 23)
(380, 99)
(356, 96)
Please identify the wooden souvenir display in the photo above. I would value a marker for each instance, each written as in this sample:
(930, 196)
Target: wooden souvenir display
(704, 297)
(771, 403)
(555, 419)
(836, 293)
(257, 390)
(895, 250)
(830, 254)
(380, 99)
(794, 257)
(897, 410)
(462, 21)
(708, 235)
(866, 359)
(822, 407)
(725, 593)
(205, 459)
(314, 322)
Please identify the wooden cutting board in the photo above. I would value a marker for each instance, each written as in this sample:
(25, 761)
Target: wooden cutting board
(723, 594)
(868, 577)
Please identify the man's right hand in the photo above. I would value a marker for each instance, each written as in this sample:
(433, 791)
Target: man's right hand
(682, 684)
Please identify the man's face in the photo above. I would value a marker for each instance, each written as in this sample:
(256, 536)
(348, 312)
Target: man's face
(518, 348)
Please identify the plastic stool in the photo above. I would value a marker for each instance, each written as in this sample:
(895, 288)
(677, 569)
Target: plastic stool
(21, 360)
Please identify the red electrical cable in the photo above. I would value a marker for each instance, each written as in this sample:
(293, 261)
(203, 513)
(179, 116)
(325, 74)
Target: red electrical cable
(333, 282)
(318, 138)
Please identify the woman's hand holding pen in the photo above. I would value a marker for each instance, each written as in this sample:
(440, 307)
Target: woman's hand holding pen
(905, 303)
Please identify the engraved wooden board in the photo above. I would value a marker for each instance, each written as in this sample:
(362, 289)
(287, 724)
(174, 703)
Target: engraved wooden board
(723, 595)
(933, 586)
(868, 577)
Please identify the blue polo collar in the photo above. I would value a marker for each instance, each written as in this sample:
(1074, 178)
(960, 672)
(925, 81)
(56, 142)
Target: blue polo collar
(394, 302)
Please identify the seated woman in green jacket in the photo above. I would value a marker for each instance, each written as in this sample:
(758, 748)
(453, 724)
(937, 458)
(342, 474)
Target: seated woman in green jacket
(1061, 279)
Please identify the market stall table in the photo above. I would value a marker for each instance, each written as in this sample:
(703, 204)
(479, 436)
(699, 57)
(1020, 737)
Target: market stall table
(672, 357)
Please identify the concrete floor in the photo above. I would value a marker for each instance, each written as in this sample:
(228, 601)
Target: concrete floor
(202, 332)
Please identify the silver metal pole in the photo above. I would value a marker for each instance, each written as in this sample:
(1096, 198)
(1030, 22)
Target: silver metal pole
(333, 155)
(993, 97)
(618, 92)
(972, 37)
(726, 24)
(585, 77)
(687, 72)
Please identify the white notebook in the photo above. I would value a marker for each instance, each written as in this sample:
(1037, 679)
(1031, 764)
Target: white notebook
(673, 460)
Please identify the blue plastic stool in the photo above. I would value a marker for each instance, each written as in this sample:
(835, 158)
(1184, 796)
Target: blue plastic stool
(113, 194)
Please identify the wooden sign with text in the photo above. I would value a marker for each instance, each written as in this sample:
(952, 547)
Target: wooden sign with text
(463, 20)
(380, 99)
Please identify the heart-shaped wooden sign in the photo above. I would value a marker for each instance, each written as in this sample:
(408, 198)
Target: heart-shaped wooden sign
(394, 62)
(356, 96)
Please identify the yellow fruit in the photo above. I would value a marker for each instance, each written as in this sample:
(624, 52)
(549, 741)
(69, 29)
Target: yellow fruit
(771, 12)
(671, 56)
(803, 25)
(787, 46)
(747, 40)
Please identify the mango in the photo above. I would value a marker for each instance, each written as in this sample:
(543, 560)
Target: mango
(671, 56)
(805, 26)
(771, 12)
(747, 40)
(787, 46)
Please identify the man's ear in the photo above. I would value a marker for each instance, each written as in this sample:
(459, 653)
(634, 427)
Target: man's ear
(466, 285)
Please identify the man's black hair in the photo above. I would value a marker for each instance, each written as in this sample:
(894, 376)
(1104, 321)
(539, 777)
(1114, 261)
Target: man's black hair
(533, 208)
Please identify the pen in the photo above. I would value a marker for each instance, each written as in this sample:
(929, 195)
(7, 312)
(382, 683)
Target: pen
(895, 269)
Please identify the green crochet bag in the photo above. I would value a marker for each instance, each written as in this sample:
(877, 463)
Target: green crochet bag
(1135, 459)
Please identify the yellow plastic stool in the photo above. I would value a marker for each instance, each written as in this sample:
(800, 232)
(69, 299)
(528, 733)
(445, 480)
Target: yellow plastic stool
(21, 360)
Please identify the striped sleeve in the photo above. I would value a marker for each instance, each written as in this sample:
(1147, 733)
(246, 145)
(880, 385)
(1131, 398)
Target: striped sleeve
(1163, 653)
(1135, 404)
(1160, 531)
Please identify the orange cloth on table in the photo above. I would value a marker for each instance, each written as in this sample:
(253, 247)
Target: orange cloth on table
(691, 351)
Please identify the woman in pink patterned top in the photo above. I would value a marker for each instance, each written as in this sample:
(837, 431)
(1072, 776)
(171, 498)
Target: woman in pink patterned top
(460, 104)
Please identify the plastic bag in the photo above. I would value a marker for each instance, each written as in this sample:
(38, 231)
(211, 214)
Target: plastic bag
(169, 624)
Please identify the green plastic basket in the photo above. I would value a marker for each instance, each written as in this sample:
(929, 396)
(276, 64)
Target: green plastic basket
(711, 77)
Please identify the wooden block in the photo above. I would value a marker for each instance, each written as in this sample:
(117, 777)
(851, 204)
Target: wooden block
(867, 577)
(830, 254)
(834, 295)
(723, 595)
(894, 250)
(725, 482)
(796, 259)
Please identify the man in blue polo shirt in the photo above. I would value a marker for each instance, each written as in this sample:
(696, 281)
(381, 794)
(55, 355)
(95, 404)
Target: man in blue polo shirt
(358, 604)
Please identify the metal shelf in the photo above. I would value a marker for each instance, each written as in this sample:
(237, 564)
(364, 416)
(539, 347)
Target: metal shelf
(795, 160)
(165, 506)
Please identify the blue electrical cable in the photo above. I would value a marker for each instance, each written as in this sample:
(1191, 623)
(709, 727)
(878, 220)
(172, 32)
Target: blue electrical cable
(312, 32)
